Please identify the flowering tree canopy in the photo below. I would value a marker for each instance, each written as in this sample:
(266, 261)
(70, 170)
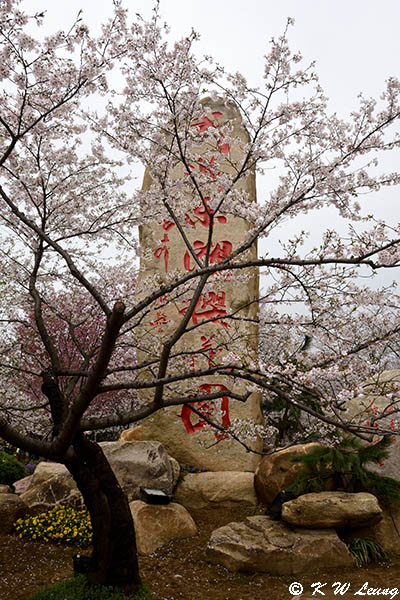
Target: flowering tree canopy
(71, 322)
(68, 205)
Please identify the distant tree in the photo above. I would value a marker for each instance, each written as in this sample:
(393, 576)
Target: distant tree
(77, 326)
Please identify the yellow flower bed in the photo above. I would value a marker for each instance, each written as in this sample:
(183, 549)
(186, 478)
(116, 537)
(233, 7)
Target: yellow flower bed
(62, 525)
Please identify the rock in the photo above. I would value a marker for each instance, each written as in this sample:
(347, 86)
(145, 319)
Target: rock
(276, 472)
(46, 469)
(59, 489)
(134, 434)
(5, 489)
(275, 508)
(22, 485)
(139, 464)
(217, 489)
(11, 509)
(386, 377)
(260, 544)
(51, 484)
(386, 533)
(176, 470)
(185, 435)
(157, 525)
(332, 509)
(360, 409)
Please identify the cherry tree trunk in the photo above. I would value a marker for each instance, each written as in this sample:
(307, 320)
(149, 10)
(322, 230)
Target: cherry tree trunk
(114, 558)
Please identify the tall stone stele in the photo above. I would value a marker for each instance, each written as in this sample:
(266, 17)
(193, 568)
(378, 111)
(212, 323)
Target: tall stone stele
(212, 335)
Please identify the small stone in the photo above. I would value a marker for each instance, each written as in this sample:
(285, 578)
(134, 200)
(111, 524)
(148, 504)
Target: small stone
(135, 434)
(22, 485)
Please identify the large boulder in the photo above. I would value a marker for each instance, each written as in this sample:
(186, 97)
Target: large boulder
(5, 489)
(11, 509)
(156, 525)
(217, 489)
(134, 464)
(45, 470)
(332, 509)
(277, 471)
(139, 464)
(50, 484)
(261, 544)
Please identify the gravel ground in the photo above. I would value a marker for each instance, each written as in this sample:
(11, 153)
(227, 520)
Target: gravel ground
(178, 571)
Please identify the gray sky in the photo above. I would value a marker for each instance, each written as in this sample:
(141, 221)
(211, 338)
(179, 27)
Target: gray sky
(355, 44)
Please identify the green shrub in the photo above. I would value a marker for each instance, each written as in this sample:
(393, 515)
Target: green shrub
(10, 469)
(346, 463)
(366, 551)
(77, 589)
(62, 525)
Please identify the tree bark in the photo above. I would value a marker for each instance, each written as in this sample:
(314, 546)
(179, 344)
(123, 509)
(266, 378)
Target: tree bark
(114, 558)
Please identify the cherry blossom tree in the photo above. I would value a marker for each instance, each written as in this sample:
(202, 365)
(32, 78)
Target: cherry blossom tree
(77, 326)
(71, 324)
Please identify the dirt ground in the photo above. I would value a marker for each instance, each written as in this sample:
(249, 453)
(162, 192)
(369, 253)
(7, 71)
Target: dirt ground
(178, 571)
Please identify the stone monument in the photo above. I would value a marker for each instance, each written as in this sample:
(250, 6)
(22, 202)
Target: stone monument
(222, 324)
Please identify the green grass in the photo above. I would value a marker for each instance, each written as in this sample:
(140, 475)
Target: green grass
(366, 552)
(77, 589)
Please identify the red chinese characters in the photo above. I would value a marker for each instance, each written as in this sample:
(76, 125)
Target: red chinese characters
(205, 122)
(219, 251)
(203, 216)
(159, 322)
(208, 409)
(206, 350)
(164, 250)
(209, 306)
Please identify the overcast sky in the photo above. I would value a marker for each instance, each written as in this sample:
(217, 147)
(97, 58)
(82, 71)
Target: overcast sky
(355, 43)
